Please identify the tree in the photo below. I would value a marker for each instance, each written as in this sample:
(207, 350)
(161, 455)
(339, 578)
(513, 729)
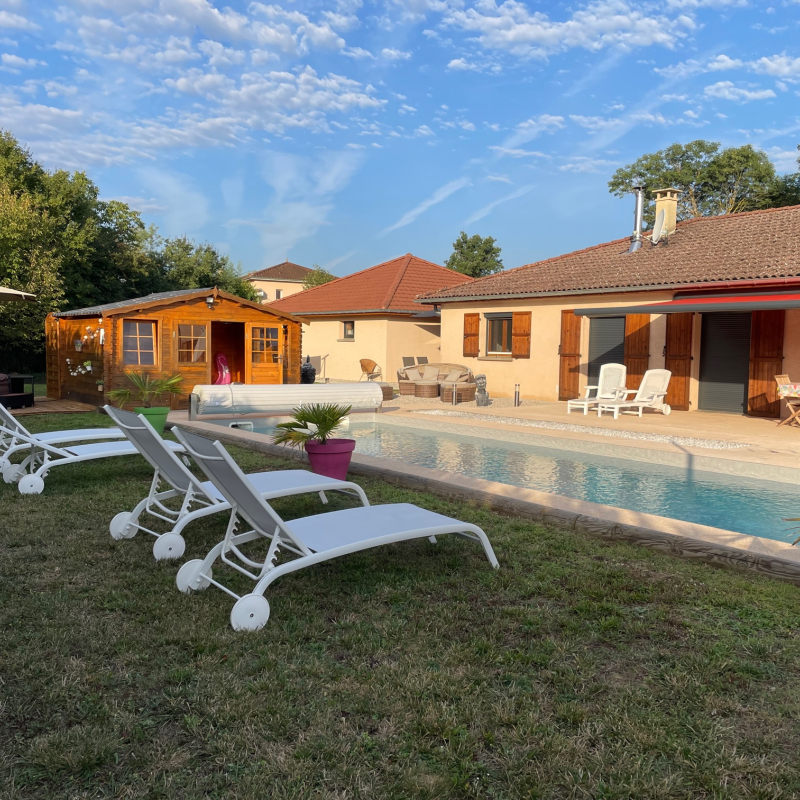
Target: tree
(784, 191)
(475, 256)
(317, 277)
(711, 181)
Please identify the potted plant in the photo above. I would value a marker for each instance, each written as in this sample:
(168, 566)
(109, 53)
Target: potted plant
(312, 427)
(146, 390)
(100, 385)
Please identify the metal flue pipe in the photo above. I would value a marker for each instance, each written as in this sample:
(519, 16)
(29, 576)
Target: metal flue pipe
(638, 219)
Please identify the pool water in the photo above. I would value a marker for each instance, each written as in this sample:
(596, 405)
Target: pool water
(744, 505)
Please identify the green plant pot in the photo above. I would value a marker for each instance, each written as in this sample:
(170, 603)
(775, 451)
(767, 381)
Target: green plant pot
(156, 416)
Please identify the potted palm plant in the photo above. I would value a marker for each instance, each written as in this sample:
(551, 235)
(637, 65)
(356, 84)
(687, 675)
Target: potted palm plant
(312, 427)
(146, 390)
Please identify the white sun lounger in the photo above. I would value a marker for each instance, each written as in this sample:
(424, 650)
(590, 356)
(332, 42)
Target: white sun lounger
(313, 539)
(29, 475)
(609, 384)
(15, 437)
(173, 481)
(650, 394)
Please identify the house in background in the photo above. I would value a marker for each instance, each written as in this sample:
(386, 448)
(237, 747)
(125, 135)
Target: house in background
(372, 314)
(279, 281)
(716, 301)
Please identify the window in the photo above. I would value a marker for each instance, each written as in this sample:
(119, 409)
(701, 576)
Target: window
(192, 344)
(278, 294)
(265, 345)
(348, 330)
(498, 334)
(139, 343)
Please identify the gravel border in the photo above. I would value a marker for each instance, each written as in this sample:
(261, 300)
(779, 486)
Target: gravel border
(686, 441)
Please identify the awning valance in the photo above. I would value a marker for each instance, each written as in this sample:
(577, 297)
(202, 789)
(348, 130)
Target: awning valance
(701, 305)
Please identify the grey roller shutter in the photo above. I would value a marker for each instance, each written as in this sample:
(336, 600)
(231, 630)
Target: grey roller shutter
(606, 344)
(724, 362)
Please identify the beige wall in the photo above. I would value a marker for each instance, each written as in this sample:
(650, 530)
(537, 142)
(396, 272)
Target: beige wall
(538, 375)
(287, 288)
(384, 340)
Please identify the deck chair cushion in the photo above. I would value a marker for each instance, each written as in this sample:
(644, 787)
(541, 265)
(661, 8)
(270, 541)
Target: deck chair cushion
(430, 372)
(454, 375)
(412, 374)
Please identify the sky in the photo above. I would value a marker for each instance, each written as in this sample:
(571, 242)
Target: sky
(347, 132)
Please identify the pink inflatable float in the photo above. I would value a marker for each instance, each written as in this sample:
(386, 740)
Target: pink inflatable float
(223, 370)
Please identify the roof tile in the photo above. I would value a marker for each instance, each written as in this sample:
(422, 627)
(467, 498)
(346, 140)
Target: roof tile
(287, 271)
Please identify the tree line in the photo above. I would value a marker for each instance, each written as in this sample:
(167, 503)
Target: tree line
(61, 242)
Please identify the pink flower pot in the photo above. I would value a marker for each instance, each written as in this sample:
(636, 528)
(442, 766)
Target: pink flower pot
(332, 458)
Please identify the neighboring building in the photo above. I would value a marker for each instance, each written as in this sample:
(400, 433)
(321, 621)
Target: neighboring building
(89, 350)
(716, 301)
(372, 314)
(278, 282)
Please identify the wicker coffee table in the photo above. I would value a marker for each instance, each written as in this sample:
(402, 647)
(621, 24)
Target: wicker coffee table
(426, 389)
(387, 389)
(464, 392)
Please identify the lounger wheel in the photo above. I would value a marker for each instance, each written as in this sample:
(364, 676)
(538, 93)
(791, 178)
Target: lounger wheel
(250, 613)
(120, 527)
(168, 545)
(12, 473)
(189, 579)
(30, 484)
(666, 410)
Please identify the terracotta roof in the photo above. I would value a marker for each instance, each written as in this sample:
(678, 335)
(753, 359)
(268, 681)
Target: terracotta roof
(389, 287)
(280, 272)
(749, 246)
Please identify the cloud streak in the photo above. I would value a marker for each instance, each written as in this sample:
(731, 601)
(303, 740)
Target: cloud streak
(441, 194)
(487, 209)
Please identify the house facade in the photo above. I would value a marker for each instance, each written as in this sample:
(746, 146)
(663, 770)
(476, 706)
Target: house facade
(716, 301)
(279, 281)
(372, 314)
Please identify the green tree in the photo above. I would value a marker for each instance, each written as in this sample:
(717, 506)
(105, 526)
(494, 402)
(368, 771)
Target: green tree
(317, 277)
(475, 256)
(30, 262)
(712, 181)
(784, 191)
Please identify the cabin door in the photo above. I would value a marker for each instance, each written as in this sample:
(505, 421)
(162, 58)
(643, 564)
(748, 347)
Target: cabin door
(228, 349)
(264, 346)
(569, 352)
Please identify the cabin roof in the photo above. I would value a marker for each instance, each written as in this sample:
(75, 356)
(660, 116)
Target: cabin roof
(168, 298)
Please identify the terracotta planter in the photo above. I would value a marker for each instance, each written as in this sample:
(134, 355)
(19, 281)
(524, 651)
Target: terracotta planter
(156, 416)
(331, 459)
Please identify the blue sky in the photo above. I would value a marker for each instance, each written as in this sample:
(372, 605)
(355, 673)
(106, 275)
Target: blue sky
(347, 132)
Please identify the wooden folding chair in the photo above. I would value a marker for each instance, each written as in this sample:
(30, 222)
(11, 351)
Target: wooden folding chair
(792, 403)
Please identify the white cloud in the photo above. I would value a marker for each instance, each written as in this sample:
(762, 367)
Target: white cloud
(390, 54)
(460, 65)
(781, 66)
(726, 90)
(516, 152)
(424, 130)
(499, 178)
(357, 52)
(487, 209)
(722, 62)
(146, 205)
(596, 123)
(531, 128)
(16, 22)
(406, 109)
(586, 164)
(220, 56)
(16, 63)
(441, 194)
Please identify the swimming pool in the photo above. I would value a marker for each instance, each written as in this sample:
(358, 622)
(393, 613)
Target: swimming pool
(745, 505)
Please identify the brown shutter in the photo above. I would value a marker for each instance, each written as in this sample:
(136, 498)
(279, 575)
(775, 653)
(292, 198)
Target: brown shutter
(637, 348)
(766, 361)
(569, 352)
(521, 334)
(678, 359)
(472, 324)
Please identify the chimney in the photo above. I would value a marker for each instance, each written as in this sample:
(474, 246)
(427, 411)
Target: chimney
(638, 214)
(667, 201)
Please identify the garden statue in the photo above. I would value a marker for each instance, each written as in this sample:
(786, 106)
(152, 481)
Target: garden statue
(481, 395)
(307, 372)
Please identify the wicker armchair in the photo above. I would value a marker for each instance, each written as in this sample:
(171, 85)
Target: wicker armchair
(369, 369)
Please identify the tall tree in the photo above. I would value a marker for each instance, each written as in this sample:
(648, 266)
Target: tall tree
(475, 256)
(712, 181)
(317, 277)
(784, 191)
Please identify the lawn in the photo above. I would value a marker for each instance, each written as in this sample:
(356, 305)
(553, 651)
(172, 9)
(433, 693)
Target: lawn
(580, 669)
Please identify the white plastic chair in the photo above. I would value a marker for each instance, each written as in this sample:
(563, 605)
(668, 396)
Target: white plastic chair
(312, 540)
(609, 383)
(172, 481)
(650, 394)
(15, 437)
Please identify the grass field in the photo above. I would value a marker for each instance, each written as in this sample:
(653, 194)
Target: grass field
(579, 670)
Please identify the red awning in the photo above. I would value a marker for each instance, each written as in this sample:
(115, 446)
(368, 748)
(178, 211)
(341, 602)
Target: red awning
(701, 304)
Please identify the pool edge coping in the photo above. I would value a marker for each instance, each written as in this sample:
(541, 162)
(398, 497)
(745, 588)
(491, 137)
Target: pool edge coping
(664, 534)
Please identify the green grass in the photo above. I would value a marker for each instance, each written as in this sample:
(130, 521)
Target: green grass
(579, 670)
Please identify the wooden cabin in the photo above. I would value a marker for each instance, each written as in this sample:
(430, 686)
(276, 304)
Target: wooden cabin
(89, 350)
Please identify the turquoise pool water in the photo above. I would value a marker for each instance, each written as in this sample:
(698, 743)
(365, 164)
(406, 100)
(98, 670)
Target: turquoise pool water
(736, 504)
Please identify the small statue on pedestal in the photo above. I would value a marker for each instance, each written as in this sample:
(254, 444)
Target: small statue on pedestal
(481, 395)
(308, 374)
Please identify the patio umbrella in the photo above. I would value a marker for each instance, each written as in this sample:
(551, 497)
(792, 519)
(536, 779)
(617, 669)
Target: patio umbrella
(13, 295)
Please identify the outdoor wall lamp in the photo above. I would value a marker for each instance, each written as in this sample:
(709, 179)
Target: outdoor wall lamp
(210, 301)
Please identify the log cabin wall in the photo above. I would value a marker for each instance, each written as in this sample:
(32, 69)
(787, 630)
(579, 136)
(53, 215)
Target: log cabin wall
(69, 376)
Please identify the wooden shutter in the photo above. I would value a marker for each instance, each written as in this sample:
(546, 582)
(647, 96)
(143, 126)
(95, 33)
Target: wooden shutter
(521, 334)
(472, 324)
(569, 351)
(678, 359)
(637, 348)
(766, 361)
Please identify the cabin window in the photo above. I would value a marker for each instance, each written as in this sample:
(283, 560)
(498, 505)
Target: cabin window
(278, 294)
(349, 330)
(265, 345)
(498, 335)
(139, 342)
(192, 344)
